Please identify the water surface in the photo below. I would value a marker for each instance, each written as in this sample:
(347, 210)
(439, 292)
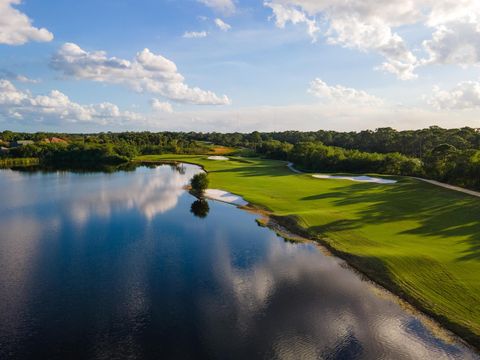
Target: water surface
(117, 266)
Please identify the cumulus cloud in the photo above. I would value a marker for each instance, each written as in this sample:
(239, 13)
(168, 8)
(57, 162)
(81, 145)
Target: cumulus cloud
(222, 25)
(224, 6)
(464, 96)
(21, 108)
(147, 72)
(16, 28)
(56, 107)
(161, 106)
(457, 43)
(9, 75)
(370, 25)
(195, 34)
(342, 94)
(284, 15)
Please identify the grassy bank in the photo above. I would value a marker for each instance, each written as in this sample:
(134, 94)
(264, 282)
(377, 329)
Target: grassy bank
(18, 162)
(417, 239)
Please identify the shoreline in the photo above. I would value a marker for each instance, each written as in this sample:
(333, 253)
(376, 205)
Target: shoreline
(290, 231)
(373, 272)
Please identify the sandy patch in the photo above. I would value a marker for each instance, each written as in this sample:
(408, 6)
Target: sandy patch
(225, 197)
(368, 179)
(218, 158)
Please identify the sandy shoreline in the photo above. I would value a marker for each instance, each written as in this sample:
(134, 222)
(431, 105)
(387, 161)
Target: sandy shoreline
(225, 196)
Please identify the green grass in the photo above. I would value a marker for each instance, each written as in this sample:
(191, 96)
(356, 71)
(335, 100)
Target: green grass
(420, 240)
(18, 162)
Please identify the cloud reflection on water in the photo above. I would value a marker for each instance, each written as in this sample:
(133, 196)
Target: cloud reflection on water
(176, 283)
(305, 305)
(151, 193)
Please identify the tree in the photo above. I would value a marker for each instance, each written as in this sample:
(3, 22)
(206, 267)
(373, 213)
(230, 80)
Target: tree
(200, 208)
(199, 182)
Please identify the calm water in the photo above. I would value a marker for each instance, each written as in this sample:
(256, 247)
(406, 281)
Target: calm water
(116, 266)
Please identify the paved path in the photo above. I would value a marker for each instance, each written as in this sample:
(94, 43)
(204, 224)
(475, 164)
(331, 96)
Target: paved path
(451, 187)
(290, 166)
(433, 182)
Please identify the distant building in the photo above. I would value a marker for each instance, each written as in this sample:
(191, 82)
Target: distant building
(19, 143)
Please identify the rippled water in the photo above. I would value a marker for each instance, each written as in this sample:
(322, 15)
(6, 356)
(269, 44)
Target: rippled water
(116, 266)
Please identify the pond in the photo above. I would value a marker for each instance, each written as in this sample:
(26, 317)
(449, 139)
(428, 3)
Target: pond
(128, 265)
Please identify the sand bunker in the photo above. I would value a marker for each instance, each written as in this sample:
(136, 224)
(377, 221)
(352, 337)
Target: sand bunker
(356, 178)
(218, 158)
(225, 197)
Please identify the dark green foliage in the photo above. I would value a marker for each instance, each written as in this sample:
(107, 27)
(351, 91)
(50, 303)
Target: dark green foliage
(200, 208)
(199, 182)
(319, 157)
(98, 149)
(449, 155)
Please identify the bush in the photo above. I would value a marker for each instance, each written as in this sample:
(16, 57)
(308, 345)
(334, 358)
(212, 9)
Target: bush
(200, 208)
(199, 182)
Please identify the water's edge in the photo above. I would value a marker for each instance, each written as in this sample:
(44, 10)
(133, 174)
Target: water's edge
(286, 229)
(289, 229)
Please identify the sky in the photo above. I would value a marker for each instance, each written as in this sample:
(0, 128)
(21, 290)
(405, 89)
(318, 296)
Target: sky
(238, 65)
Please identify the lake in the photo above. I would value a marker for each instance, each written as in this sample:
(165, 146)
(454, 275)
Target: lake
(128, 265)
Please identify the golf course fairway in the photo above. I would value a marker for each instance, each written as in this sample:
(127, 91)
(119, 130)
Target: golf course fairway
(418, 240)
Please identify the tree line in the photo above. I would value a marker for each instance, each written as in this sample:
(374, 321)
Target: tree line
(97, 149)
(448, 155)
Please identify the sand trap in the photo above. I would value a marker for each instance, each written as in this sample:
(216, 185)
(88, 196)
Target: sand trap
(218, 158)
(356, 178)
(225, 197)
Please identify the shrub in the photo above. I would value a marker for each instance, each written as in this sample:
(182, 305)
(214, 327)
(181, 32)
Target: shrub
(199, 182)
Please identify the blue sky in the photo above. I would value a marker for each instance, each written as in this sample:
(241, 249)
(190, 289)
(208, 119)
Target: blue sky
(225, 65)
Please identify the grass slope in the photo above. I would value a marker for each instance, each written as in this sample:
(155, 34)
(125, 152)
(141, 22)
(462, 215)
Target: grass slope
(420, 240)
(18, 162)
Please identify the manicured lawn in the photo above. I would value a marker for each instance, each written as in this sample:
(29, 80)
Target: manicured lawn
(422, 239)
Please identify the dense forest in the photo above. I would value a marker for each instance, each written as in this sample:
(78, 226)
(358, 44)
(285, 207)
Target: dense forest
(94, 149)
(449, 155)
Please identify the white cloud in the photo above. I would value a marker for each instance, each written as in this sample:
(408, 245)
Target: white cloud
(323, 115)
(222, 25)
(16, 28)
(226, 7)
(361, 111)
(370, 25)
(161, 106)
(464, 96)
(195, 34)
(56, 107)
(284, 15)
(148, 72)
(341, 94)
(9, 75)
(456, 43)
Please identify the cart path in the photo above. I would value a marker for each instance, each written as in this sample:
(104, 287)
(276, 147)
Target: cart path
(433, 182)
